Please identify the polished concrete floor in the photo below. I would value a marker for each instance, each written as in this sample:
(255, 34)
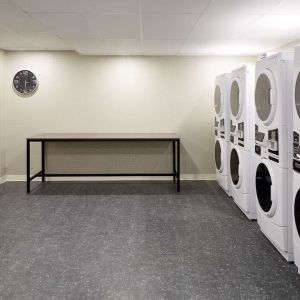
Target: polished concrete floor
(135, 241)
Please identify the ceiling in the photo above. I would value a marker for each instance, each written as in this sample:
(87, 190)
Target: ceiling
(149, 27)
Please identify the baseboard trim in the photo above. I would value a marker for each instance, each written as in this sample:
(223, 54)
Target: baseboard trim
(2, 179)
(134, 178)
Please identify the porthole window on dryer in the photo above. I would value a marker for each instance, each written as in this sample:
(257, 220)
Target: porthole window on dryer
(263, 97)
(297, 95)
(297, 211)
(235, 98)
(234, 166)
(263, 185)
(218, 153)
(218, 99)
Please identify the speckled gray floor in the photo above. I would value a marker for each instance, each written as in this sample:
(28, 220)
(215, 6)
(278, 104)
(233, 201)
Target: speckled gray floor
(134, 241)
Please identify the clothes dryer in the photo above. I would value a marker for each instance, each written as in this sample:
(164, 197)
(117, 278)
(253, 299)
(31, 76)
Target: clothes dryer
(241, 116)
(221, 102)
(295, 157)
(273, 135)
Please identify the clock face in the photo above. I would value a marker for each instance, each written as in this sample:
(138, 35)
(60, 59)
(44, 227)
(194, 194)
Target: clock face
(25, 82)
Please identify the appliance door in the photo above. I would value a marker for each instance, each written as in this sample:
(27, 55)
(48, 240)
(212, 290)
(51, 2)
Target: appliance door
(219, 156)
(297, 94)
(236, 98)
(219, 99)
(297, 212)
(265, 97)
(236, 168)
(266, 189)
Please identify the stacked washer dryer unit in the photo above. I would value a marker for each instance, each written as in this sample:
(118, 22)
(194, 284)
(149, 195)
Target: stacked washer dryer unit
(221, 100)
(296, 159)
(273, 142)
(241, 116)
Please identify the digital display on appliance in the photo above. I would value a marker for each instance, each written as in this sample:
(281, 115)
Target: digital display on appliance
(259, 136)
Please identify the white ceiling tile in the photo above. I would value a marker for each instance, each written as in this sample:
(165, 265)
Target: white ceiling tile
(64, 25)
(106, 47)
(15, 19)
(246, 47)
(168, 26)
(271, 27)
(290, 7)
(10, 40)
(162, 47)
(294, 34)
(114, 26)
(212, 26)
(84, 42)
(79, 6)
(241, 6)
(233, 47)
(115, 6)
(46, 41)
(198, 47)
(54, 6)
(174, 6)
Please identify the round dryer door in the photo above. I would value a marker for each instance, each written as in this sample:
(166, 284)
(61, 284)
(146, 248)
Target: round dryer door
(265, 189)
(218, 100)
(265, 97)
(218, 155)
(297, 212)
(235, 167)
(297, 95)
(235, 103)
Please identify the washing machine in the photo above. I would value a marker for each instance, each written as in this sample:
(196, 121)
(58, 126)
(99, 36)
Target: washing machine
(241, 105)
(221, 163)
(273, 146)
(241, 116)
(221, 103)
(296, 159)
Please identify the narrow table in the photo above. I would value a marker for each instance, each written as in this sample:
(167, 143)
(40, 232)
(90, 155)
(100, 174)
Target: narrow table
(44, 138)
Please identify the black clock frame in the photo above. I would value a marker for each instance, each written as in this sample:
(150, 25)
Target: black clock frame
(19, 85)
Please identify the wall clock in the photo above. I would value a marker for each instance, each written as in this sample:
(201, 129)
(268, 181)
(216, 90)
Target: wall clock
(25, 82)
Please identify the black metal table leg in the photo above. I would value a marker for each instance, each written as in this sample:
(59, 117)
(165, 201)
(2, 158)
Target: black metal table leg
(43, 161)
(28, 166)
(174, 160)
(178, 166)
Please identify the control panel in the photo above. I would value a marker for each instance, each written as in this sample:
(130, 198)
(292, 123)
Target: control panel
(237, 133)
(266, 143)
(222, 129)
(296, 152)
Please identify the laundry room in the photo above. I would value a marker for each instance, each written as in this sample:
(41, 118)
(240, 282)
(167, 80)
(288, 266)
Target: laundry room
(149, 149)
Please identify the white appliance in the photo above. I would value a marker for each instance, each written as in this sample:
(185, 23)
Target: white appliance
(241, 116)
(241, 105)
(273, 143)
(295, 158)
(221, 102)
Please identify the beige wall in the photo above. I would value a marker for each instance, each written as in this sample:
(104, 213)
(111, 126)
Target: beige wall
(114, 94)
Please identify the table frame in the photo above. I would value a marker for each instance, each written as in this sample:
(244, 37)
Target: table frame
(44, 140)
